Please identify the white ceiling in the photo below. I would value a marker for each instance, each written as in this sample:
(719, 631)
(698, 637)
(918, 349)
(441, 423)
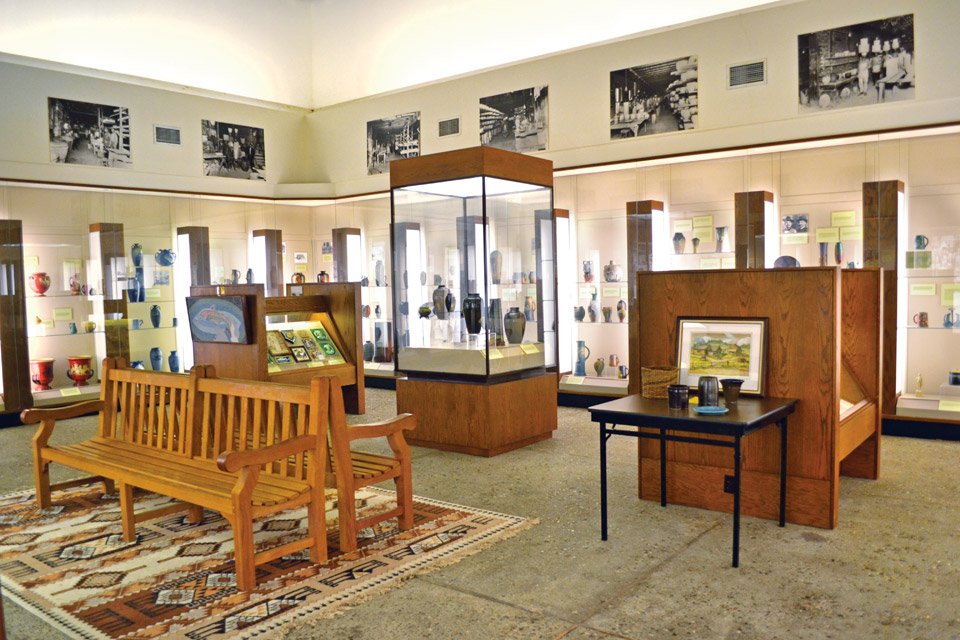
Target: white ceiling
(314, 53)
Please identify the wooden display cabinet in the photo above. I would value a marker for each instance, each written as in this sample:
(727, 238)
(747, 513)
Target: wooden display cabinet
(335, 306)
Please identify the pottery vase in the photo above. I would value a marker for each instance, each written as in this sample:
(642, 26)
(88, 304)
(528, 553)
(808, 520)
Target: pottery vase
(696, 243)
(141, 285)
(679, 242)
(496, 265)
(165, 257)
(607, 313)
(529, 309)
(612, 272)
(495, 323)
(174, 362)
(513, 325)
(75, 288)
(379, 274)
(136, 252)
(838, 253)
(424, 310)
(731, 389)
(450, 301)
(593, 309)
(298, 278)
(155, 316)
(323, 277)
(598, 366)
(440, 302)
(133, 289)
(708, 391)
(472, 309)
(137, 364)
(376, 311)
(156, 359)
(621, 310)
(614, 360)
(723, 239)
(579, 313)
(40, 282)
(249, 276)
(41, 373)
(79, 370)
(583, 352)
(824, 248)
(920, 242)
(235, 276)
(533, 277)
(367, 351)
(588, 270)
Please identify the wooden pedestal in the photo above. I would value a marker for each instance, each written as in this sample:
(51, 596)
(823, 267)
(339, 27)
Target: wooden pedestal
(482, 420)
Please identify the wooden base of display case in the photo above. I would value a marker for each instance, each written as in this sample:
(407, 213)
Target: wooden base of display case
(480, 419)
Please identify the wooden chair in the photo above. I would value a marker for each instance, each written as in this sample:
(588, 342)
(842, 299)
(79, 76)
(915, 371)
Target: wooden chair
(368, 468)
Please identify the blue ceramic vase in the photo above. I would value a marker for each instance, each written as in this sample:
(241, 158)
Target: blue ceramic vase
(156, 359)
(136, 252)
(133, 289)
(165, 257)
(155, 316)
(174, 362)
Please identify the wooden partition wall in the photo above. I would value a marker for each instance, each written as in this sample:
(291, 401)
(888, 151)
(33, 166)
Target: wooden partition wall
(824, 327)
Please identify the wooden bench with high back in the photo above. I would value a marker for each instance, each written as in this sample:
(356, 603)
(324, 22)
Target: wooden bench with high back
(176, 434)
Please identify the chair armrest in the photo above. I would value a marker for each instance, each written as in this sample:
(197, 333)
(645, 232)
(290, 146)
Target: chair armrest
(33, 416)
(234, 460)
(404, 421)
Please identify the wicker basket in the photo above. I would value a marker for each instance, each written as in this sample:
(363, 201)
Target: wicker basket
(655, 380)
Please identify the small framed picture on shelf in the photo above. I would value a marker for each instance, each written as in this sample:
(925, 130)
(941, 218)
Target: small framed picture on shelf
(797, 223)
(284, 360)
(300, 354)
(725, 348)
(276, 345)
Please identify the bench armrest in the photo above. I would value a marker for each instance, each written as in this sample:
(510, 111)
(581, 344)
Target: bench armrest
(33, 416)
(404, 421)
(235, 460)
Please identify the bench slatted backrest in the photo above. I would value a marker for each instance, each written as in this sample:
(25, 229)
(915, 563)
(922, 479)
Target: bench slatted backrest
(237, 415)
(146, 408)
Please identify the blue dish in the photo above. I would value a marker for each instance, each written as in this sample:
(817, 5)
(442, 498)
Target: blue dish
(711, 411)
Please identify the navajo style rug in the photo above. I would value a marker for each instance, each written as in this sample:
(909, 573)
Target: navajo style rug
(69, 565)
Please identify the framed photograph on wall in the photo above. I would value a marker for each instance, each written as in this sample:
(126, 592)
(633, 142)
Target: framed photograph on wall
(857, 65)
(654, 98)
(725, 348)
(233, 151)
(87, 133)
(390, 139)
(219, 319)
(515, 121)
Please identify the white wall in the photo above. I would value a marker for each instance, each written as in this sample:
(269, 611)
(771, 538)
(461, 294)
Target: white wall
(579, 91)
(241, 47)
(25, 145)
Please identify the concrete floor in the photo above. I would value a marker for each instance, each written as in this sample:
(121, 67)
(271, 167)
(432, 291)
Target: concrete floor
(889, 570)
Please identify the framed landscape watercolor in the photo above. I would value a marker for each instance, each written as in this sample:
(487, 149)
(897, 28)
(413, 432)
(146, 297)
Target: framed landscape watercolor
(725, 348)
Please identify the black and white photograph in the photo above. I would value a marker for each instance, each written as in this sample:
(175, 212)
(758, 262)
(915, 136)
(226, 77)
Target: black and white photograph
(233, 151)
(797, 223)
(390, 139)
(857, 65)
(654, 98)
(515, 121)
(88, 133)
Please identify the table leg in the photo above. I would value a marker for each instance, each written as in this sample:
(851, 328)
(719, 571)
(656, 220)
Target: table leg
(736, 501)
(603, 480)
(783, 471)
(663, 468)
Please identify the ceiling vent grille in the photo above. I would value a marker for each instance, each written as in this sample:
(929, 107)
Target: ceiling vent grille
(449, 127)
(166, 135)
(746, 74)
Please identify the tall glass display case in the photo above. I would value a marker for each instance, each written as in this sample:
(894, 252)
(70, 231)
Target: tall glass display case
(474, 274)
(474, 298)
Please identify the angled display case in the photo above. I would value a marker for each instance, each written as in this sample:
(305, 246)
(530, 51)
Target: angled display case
(474, 295)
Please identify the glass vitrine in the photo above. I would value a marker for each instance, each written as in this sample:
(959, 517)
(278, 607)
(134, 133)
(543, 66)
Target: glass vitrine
(474, 277)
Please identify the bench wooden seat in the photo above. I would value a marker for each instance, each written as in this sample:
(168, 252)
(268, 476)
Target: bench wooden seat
(243, 448)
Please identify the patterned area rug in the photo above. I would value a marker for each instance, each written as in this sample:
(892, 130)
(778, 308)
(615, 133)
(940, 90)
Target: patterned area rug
(69, 565)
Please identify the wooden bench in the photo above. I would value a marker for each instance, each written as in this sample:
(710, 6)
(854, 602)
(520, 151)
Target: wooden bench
(174, 435)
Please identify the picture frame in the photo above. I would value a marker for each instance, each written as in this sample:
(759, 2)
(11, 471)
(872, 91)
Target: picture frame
(223, 319)
(284, 360)
(725, 348)
(300, 354)
(276, 345)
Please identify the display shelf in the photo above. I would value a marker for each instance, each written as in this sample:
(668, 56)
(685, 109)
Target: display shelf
(594, 385)
(61, 395)
(46, 296)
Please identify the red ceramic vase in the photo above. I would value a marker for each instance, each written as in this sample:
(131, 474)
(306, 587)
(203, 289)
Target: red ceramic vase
(80, 370)
(40, 282)
(41, 373)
